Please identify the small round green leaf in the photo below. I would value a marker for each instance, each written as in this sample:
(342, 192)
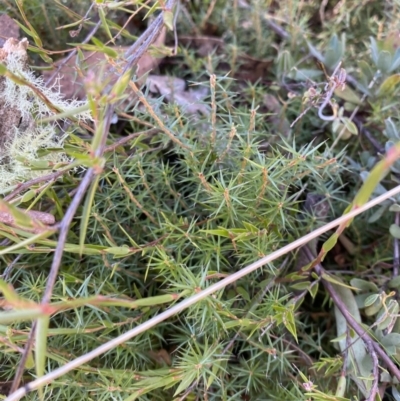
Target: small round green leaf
(350, 126)
(371, 300)
(389, 85)
(384, 61)
(391, 339)
(28, 196)
(395, 208)
(363, 285)
(394, 283)
(395, 231)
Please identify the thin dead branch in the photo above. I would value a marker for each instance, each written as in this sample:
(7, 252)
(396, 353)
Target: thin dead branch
(212, 289)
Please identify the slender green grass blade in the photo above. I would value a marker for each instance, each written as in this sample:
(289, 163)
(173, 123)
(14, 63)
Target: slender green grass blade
(86, 213)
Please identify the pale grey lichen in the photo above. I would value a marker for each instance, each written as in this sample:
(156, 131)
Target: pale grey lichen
(23, 137)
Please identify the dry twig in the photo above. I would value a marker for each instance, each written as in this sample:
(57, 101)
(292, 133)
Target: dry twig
(212, 289)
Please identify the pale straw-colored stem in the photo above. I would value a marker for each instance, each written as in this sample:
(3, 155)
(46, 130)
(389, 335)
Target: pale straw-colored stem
(196, 298)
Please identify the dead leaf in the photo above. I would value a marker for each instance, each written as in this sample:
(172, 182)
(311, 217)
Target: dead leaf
(8, 28)
(392, 41)
(72, 75)
(174, 91)
(204, 45)
(278, 120)
(252, 69)
(148, 62)
(249, 68)
(161, 356)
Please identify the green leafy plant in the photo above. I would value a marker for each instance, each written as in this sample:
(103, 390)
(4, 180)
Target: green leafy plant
(165, 273)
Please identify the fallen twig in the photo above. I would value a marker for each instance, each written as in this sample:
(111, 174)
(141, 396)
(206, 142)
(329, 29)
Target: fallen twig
(205, 293)
(33, 181)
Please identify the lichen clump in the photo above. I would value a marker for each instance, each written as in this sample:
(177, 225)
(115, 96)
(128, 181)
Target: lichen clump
(26, 144)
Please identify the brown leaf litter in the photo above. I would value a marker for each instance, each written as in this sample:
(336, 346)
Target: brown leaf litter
(72, 74)
(8, 29)
(174, 91)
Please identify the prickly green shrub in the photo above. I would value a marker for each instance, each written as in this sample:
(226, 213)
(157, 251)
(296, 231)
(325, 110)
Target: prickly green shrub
(168, 221)
(187, 217)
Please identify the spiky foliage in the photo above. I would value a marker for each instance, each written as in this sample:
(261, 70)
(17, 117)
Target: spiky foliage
(167, 219)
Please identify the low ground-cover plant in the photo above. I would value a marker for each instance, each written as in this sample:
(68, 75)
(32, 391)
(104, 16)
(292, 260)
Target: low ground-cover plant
(192, 183)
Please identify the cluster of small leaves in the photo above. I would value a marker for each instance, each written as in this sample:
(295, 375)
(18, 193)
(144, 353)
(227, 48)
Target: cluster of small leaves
(167, 220)
(172, 221)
